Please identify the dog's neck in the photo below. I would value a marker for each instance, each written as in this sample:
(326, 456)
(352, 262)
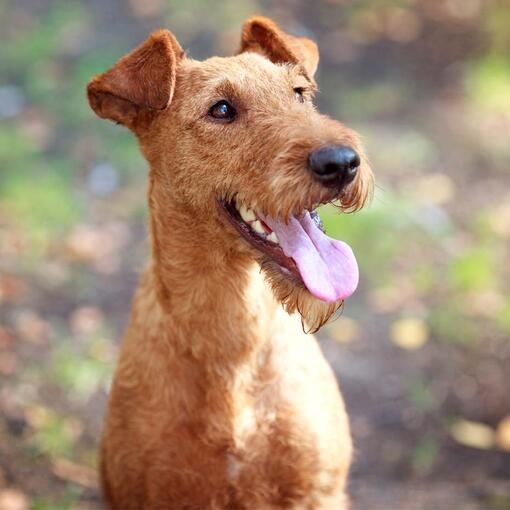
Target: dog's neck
(206, 290)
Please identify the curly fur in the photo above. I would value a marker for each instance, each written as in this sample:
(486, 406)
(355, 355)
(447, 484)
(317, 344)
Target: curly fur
(220, 400)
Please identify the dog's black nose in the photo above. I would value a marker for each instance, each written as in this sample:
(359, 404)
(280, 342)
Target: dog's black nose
(334, 165)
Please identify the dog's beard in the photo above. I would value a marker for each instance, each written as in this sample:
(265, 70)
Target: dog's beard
(295, 297)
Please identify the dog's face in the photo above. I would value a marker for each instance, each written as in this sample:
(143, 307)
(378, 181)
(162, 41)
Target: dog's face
(240, 143)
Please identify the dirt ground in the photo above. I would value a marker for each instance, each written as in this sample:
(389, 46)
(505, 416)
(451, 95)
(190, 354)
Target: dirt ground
(422, 351)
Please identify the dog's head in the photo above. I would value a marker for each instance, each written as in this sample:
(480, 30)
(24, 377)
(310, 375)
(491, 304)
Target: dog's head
(239, 142)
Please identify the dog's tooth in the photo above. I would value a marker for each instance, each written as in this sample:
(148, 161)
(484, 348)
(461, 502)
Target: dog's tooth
(273, 238)
(246, 214)
(257, 227)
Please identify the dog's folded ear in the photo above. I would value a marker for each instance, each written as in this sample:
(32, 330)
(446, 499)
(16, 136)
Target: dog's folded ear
(262, 35)
(139, 84)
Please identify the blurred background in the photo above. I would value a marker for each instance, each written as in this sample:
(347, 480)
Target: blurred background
(423, 349)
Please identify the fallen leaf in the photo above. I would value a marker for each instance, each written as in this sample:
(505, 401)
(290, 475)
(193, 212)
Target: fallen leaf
(39, 416)
(85, 243)
(76, 473)
(12, 499)
(100, 245)
(503, 434)
(6, 338)
(12, 243)
(32, 328)
(499, 219)
(409, 333)
(11, 287)
(435, 188)
(473, 434)
(86, 320)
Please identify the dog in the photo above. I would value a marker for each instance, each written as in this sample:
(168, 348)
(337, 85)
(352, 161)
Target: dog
(220, 399)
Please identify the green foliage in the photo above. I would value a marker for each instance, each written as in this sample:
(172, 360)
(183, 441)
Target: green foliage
(425, 277)
(44, 504)
(498, 502)
(475, 269)
(16, 151)
(503, 318)
(425, 455)
(121, 149)
(497, 21)
(78, 373)
(42, 43)
(69, 501)
(40, 201)
(488, 82)
(55, 437)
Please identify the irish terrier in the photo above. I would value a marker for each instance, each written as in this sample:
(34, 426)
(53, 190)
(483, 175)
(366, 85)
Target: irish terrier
(220, 400)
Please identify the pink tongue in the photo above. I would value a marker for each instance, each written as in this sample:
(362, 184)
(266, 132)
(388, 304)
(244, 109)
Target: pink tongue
(327, 266)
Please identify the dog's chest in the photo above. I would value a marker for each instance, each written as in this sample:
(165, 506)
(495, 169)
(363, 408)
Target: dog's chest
(272, 434)
(279, 448)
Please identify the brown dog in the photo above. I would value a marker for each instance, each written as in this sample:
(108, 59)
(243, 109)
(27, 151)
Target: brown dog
(220, 400)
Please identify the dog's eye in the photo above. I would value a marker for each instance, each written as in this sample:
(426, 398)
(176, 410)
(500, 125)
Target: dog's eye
(299, 92)
(222, 110)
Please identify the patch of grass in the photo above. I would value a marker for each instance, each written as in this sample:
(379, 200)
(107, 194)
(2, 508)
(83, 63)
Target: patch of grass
(474, 270)
(425, 455)
(69, 501)
(16, 151)
(40, 203)
(41, 43)
(121, 148)
(55, 437)
(425, 277)
(78, 373)
(488, 82)
(503, 319)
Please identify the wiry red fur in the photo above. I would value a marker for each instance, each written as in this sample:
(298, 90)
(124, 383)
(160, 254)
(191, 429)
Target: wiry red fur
(220, 401)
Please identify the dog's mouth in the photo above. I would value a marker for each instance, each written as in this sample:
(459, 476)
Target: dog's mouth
(325, 266)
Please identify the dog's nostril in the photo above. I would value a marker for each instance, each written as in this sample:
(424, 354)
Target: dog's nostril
(329, 169)
(334, 165)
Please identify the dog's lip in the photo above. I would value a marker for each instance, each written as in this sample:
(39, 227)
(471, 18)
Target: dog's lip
(269, 249)
(300, 248)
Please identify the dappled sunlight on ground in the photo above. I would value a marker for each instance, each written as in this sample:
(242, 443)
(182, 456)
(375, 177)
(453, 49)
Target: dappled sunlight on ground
(422, 351)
